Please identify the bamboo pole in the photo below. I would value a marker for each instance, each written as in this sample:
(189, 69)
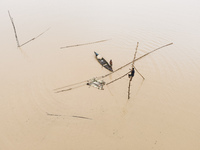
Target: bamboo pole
(139, 73)
(70, 88)
(134, 62)
(117, 78)
(18, 45)
(70, 85)
(82, 117)
(129, 85)
(129, 89)
(83, 44)
(34, 38)
(135, 55)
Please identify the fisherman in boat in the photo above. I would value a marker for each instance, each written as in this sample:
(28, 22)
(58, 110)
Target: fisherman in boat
(111, 63)
(99, 56)
(132, 74)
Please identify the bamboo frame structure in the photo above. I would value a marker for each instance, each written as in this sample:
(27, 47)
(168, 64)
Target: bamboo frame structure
(16, 37)
(57, 90)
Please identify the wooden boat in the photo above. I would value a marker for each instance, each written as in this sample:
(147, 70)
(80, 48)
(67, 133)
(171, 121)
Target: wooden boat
(103, 62)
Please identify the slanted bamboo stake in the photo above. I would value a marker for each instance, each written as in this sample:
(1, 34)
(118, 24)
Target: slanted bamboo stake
(134, 62)
(139, 73)
(34, 37)
(129, 85)
(135, 55)
(18, 45)
(129, 88)
(83, 44)
(134, 59)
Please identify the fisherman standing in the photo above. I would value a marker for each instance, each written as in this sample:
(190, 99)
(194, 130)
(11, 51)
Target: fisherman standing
(132, 74)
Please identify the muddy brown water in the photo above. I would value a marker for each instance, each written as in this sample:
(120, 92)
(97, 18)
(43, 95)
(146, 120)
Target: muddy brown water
(163, 111)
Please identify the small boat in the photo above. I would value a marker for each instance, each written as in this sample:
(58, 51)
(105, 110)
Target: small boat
(103, 62)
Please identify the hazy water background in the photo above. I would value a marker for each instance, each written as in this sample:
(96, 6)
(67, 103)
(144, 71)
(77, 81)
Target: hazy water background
(163, 112)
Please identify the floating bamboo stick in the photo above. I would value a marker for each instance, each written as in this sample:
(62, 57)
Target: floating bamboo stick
(82, 117)
(70, 88)
(84, 44)
(70, 85)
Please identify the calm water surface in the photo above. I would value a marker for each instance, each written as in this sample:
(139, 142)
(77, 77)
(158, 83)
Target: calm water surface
(163, 111)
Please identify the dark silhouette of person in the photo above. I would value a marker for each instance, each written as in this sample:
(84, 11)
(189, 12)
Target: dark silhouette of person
(111, 63)
(132, 74)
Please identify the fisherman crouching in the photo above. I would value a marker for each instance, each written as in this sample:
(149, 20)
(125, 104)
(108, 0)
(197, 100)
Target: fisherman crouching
(132, 74)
